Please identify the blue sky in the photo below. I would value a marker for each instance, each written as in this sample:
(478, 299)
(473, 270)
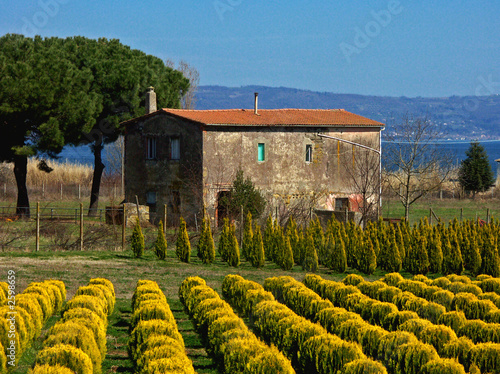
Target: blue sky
(375, 47)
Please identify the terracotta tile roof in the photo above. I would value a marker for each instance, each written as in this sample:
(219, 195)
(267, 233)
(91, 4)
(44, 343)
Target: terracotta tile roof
(274, 117)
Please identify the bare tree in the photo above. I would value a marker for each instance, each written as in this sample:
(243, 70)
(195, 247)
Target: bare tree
(414, 162)
(365, 179)
(188, 100)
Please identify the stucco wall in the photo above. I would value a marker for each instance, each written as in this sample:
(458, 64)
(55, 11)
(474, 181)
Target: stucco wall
(284, 174)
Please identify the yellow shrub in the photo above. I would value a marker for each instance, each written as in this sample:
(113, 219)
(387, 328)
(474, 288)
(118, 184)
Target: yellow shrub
(269, 360)
(48, 369)
(334, 353)
(3, 296)
(43, 299)
(92, 303)
(77, 335)
(148, 288)
(105, 282)
(161, 351)
(237, 353)
(364, 366)
(60, 285)
(486, 356)
(392, 279)
(198, 294)
(109, 296)
(23, 324)
(152, 311)
(438, 336)
(157, 340)
(30, 304)
(157, 297)
(353, 279)
(6, 332)
(187, 285)
(412, 356)
(415, 326)
(146, 328)
(66, 355)
(94, 291)
(221, 325)
(55, 295)
(443, 366)
(460, 350)
(390, 343)
(177, 365)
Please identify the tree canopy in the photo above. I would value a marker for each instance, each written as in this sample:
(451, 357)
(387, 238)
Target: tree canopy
(245, 194)
(475, 174)
(55, 92)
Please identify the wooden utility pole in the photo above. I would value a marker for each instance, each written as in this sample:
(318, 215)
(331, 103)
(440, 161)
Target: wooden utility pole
(37, 245)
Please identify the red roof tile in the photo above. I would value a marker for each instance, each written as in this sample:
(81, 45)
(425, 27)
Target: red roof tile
(274, 117)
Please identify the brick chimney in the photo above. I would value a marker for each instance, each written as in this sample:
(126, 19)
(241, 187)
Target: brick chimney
(150, 100)
(256, 103)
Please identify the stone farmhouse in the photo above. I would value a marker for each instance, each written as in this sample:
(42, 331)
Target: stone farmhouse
(186, 160)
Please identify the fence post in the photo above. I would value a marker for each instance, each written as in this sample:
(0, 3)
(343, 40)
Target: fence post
(37, 240)
(430, 216)
(488, 215)
(81, 226)
(79, 192)
(124, 225)
(461, 214)
(61, 191)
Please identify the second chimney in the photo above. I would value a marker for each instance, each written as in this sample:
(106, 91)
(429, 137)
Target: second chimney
(256, 103)
(150, 100)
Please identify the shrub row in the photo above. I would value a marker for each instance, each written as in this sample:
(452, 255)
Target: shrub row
(442, 338)
(155, 344)
(232, 345)
(22, 316)
(400, 351)
(466, 311)
(78, 340)
(308, 345)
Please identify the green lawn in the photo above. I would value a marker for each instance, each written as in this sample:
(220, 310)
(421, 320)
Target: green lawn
(446, 209)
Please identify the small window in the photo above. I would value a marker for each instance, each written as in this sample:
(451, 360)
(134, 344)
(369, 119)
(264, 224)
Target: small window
(175, 149)
(151, 148)
(261, 152)
(309, 152)
(151, 198)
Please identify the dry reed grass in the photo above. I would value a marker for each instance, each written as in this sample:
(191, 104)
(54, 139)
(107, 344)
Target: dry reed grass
(67, 173)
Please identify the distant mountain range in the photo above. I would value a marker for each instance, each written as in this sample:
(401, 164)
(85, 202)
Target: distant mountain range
(461, 117)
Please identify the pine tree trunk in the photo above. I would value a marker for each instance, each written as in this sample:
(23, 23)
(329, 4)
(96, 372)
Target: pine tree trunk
(21, 172)
(96, 179)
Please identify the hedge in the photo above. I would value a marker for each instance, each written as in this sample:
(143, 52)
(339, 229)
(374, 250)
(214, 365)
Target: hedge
(65, 355)
(232, 345)
(76, 335)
